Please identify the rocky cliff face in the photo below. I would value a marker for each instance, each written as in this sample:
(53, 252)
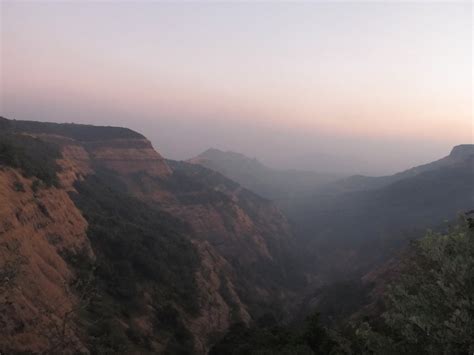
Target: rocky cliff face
(249, 232)
(127, 156)
(36, 229)
(122, 155)
(241, 240)
(462, 151)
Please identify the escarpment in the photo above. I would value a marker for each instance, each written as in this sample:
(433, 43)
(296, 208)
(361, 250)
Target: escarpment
(245, 229)
(174, 253)
(118, 149)
(126, 156)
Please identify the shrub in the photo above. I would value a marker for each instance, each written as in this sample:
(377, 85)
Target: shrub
(430, 308)
(18, 186)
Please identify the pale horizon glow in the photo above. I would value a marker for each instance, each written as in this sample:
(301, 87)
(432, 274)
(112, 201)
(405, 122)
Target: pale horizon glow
(359, 87)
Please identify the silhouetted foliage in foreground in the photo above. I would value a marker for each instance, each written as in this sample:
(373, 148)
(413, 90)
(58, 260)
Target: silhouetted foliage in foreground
(313, 338)
(430, 308)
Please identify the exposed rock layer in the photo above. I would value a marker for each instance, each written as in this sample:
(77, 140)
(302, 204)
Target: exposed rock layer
(230, 228)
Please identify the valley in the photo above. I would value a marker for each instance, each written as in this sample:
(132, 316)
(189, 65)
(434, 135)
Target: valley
(106, 246)
(236, 177)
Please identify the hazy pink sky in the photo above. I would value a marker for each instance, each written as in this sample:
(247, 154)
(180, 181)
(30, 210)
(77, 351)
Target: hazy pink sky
(375, 86)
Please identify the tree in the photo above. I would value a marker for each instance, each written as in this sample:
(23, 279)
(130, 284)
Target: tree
(430, 308)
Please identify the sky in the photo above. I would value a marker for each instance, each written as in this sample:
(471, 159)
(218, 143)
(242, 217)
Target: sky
(356, 87)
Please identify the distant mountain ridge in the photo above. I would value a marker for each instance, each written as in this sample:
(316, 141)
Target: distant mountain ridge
(354, 218)
(214, 155)
(369, 216)
(361, 182)
(270, 183)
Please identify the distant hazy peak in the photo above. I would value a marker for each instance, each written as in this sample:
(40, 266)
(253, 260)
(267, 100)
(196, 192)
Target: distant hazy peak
(212, 151)
(462, 151)
(217, 154)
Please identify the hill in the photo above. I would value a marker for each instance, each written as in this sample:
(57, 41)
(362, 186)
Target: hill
(363, 224)
(108, 247)
(277, 185)
(361, 182)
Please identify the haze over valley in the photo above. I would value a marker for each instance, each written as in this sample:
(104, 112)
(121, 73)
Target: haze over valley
(356, 88)
(236, 178)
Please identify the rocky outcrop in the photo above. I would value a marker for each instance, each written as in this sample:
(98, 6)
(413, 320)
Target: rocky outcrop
(128, 156)
(462, 151)
(75, 164)
(220, 304)
(123, 156)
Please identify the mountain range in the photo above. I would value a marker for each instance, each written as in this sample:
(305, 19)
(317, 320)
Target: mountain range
(335, 220)
(107, 247)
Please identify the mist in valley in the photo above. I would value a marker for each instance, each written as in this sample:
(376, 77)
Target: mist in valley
(236, 178)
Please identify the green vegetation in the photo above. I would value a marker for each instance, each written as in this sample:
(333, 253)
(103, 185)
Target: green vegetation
(138, 240)
(339, 300)
(18, 186)
(267, 337)
(193, 184)
(430, 308)
(34, 157)
(139, 250)
(145, 265)
(168, 320)
(71, 130)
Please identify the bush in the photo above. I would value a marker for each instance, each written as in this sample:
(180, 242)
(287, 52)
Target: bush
(430, 308)
(312, 339)
(18, 186)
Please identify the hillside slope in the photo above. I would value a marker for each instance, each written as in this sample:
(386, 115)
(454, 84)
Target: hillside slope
(361, 226)
(174, 253)
(360, 182)
(36, 227)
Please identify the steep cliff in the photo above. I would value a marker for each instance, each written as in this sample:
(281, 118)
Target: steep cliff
(249, 232)
(173, 253)
(36, 229)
